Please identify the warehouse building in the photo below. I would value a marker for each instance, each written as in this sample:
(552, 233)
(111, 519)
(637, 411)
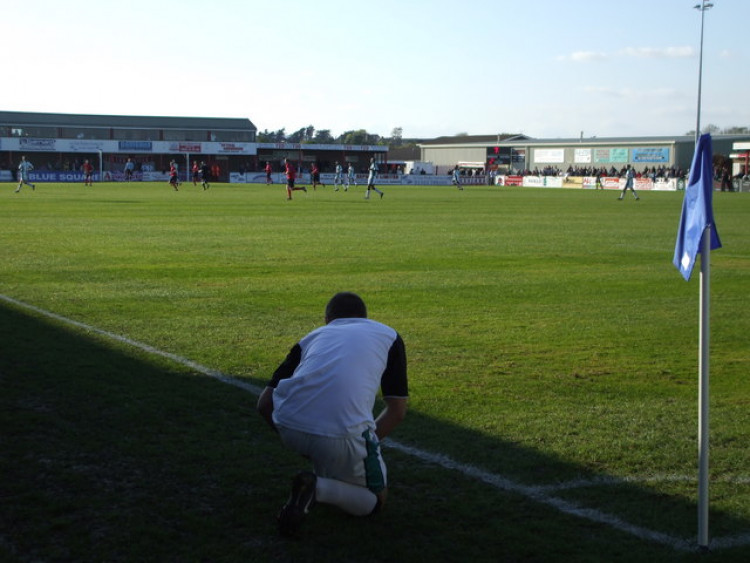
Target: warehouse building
(518, 153)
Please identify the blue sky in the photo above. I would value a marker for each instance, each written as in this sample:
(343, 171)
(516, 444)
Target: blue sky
(546, 68)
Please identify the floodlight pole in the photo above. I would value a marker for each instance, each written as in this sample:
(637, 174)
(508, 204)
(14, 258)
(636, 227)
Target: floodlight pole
(703, 344)
(703, 6)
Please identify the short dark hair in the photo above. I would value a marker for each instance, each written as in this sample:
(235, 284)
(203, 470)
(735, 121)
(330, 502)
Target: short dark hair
(345, 305)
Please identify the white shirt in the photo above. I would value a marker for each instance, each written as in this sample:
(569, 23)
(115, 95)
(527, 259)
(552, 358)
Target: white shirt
(339, 369)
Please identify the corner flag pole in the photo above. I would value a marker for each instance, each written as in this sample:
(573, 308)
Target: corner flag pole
(703, 391)
(704, 336)
(697, 234)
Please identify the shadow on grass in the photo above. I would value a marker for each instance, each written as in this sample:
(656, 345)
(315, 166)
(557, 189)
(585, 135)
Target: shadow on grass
(107, 454)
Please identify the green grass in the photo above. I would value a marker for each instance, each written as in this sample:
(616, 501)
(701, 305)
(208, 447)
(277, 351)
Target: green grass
(549, 339)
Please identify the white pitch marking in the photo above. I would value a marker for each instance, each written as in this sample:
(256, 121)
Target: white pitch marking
(536, 493)
(139, 345)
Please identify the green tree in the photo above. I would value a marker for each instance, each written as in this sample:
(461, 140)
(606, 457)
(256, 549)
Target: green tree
(359, 137)
(735, 130)
(323, 137)
(272, 136)
(397, 136)
(297, 136)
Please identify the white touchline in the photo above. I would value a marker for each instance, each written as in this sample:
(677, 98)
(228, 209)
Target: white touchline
(139, 345)
(536, 493)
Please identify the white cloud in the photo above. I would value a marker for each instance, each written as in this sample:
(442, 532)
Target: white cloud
(637, 52)
(659, 52)
(633, 93)
(588, 56)
(584, 57)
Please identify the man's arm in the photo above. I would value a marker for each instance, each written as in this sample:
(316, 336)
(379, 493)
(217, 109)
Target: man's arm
(286, 369)
(265, 406)
(391, 416)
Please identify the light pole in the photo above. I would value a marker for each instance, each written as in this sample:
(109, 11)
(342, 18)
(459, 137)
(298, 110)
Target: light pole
(703, 6)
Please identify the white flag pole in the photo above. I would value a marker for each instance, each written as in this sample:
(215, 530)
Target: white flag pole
(703, 392)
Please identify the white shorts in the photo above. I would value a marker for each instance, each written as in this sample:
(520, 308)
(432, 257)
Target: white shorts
(356, 459)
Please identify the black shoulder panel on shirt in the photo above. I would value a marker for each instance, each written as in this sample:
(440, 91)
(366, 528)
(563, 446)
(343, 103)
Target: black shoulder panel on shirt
(394, 383)
(287, 367)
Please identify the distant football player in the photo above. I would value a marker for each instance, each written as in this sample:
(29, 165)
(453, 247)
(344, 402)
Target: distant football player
(174, 179)
(205, 175)
(457, 178)
(629, 181)
(372, 173)
(196, 170)
(129, 167)
(24, 168)
(315, 173)
(88, 173)
(291, 175)
(337, 177)
(351, 177)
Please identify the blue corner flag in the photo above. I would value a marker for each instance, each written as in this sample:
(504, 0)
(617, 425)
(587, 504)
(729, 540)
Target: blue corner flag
(697, 210)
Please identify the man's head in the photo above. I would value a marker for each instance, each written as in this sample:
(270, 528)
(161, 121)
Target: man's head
(345, 305)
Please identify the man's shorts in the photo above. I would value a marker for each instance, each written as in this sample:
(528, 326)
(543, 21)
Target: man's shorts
(354, 459)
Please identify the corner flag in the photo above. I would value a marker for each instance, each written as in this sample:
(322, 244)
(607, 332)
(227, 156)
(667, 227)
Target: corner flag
(697, 210)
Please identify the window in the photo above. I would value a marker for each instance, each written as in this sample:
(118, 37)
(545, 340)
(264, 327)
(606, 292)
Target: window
(84, 133)
(136, 134)
(46, 132)
(185, 135)
(233, 136)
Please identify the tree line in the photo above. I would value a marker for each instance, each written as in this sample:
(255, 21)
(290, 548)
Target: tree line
(310, 135)
(716, 130)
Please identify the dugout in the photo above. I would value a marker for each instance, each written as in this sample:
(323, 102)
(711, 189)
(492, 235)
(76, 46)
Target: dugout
(304, 155)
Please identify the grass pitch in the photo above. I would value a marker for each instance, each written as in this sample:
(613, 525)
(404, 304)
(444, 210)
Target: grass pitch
(550, 342)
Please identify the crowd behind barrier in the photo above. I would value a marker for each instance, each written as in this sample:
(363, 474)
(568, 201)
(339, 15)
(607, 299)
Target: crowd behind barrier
(649, 178)
(653, 172)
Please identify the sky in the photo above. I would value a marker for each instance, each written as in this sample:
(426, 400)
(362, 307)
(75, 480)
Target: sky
(544, 68)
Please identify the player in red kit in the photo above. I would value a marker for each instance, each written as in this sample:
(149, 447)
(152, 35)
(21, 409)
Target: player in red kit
(291, 174)
(269, 170)
(173, 177)
(196, 173)
(316, 177)
(88, 172)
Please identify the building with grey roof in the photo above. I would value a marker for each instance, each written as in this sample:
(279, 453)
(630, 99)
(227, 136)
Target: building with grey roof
(58, 144)
(518, 153)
